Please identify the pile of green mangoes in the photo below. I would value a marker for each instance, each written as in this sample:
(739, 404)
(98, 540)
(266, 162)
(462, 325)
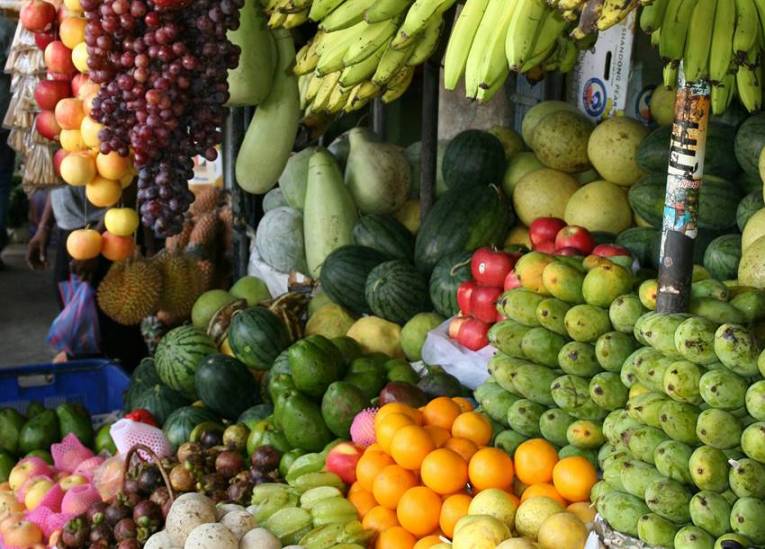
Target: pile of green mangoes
(671, 407)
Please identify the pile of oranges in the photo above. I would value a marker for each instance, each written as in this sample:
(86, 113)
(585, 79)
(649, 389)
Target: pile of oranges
(420, 476)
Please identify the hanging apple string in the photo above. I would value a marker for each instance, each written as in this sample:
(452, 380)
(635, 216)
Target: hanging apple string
(162, 66)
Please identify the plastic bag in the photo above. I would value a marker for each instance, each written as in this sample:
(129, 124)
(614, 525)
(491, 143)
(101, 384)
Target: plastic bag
(75, 329)
(470, 367)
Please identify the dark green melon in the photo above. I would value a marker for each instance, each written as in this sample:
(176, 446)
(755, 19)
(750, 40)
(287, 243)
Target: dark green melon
(255, 414)
(178, 354)
(722, 256)
(473, 157)
(143, 377)
(161, 401)
(451, 271)
(257, 336)
(385, 234)
(179, 424)
(226, 386)
(750, 139)
(461, 221)
(640, 242)
(344, 275)
(748, 206)
(396, 291)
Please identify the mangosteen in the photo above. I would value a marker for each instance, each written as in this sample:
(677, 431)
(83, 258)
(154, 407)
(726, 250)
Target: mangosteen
(213, 482)
(100, 544)
(229, 463)
(266, 458)
(181, 479)
(131, 486)
(129, 500)
(129, 544)
(95, 513)
(116, 512)
(101, 533)
(257, 476)
(149, 479)
(188, 449)
(125, 529)
(76, 533)
(148, 514)
(240, 492)
(211, 438)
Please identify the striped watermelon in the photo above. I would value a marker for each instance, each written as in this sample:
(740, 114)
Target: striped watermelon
(385, 234)
(257, 336)
(396, 291)
(178, 355)
(450, 272)
(344, 276)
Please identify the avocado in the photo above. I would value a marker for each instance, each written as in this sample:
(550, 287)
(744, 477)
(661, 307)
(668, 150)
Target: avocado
(7, 462)
(340, 404)
(348, 348)
(34, 408)
(439, 383)
(73, 418)
(11, 423)
(369, 383)
(39, 432)
(104, 442)
(401, 371)
(265, 433)
(302, 422)
(314, 363)
(278, 384)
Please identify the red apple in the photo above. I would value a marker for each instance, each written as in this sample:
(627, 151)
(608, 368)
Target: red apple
(610, 250)
(575, 237)
(58, 156)
(77, 82)
(544, 229)
(490, 267)
(58, 58)
(42, 39)
(37, 15)
(455, 324)
(49, 92)
(483, 303)
(546, 247)
(568, 250)
(46, 125)
(474, 334)
(342, 460)
(512, 281)
(464, 291)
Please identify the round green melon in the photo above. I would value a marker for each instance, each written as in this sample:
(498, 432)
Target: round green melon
(274, 199)
(451, 271)
(251, 289)
(279, 240)
(226, 386)
(722, 256)
(207, 305)
(344, 276)
(385, 234)
(161, 401)
(472, 158)
(396, 291)
(180, 423)
(178, 355)
(749, 205)
(143, 377)
(257, 336)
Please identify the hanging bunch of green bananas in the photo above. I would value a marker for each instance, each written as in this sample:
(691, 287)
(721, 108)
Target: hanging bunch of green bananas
(493, 37)
(286, 14)
(365, 49)
(717, 40)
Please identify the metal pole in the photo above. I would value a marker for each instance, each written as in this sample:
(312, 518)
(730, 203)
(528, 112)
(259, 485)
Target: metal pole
(378, 118)
(684, 177)
(429, 136)
(232, 139)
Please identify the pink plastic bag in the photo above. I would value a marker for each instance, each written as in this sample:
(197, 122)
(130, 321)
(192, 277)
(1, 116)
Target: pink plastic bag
(69, 453)
(75, 329)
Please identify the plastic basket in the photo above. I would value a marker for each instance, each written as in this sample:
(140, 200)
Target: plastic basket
(97, 384)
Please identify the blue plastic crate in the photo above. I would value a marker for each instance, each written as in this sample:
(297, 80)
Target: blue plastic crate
(97, 384)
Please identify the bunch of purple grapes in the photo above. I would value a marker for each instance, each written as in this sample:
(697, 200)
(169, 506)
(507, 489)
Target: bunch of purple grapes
(162, 66)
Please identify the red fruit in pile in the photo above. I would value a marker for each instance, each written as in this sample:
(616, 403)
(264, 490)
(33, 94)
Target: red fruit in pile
(483, 303)
(546, 247)
(610, 250)
(575, 237)
(490, 267)
(473, 334)
(49, 92)
(464, 292)
(512, 281)
(37, 15)
(42, 39)
(544, 229)
(569, 251)
(455, 324)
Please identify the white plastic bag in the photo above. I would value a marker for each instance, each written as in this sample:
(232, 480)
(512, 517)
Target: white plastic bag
(469, 367)
(277, 282)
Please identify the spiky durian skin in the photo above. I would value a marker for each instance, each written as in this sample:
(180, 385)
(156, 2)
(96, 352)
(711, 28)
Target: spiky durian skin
(130, 291)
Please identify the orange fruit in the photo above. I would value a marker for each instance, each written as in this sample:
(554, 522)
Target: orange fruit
(369, 466)
(464, 447)
(464, 404)
(438, 435)
(388, 427)
(573, 477)
(454, 508)
(355, 487)
(374, 448)
(490, 468)
(379, 518)
(397, 408)
(472, 426)
(395, 538)
(543, 490)
(390, 485)
(427, 541)
(441, 412)
(419, 510)
(363, 501)
(534, 461)
(444, 471)
(410, 445)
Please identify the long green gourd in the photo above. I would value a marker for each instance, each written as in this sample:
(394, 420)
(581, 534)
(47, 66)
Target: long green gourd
(250, 82)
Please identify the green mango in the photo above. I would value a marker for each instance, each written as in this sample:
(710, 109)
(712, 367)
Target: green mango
(340, 404)
(659, 333)
(616, 424)
(265, 433)
(612, 349)
(695, 338)
(507, 335)
(39, 432)
(747, 478)
(585, 434)
(622, 511)
(678, 421)
(624, 312)
(715, 310)
(495, 401)
(604, 283)
(669, 499)
(671, 459)
(11, 423)
(550, 314)
(303, 424)
(646, 407)
(586, 323)
(523, 417)
(564, 281)
(709, 469)
(710, 288)
(313, 367)
(753, 441)
(643, 441)
(656, 531)
(520, 305)
(693, 537)
(751, 304)
(578, 359)
(636, 476)
(7, 462)
(746, 519)
(741, 540)
(710, 511)
(719, 429)
(587, 453)
(651, 373)
(508, 440)
(737, 349)
(681, 382)
(723, 389)
(607, 391)
(437, 383)
(534, 383)
(542, 346)
(42, 454)
(572, 394)
(755, 400)
(553, 426)
(75, 419)
(600, 489)
(104, 442)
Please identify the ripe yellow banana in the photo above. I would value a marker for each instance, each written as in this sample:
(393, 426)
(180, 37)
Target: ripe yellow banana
(722, 94)
(652, 16)
(460, 40)
(588, 19)
(338, 98)
(676, 19)
(303, 82)
(277, 19)
(398, 85)
(614, 11)
(428, 42)
(355, 74)
(392, 62)
(322, 8)
(552, 27)
(417, 18)
(346, 15)
(480, 43)
(355, 102)
(485, 95)
(312, 88)
(308, 56)
(336, 44)
(749, 87)
(699, 41)
(721, 48)
(369, 40)
(295, 19)
(522, 32)
(747, 27)
(385, 9)
(328, 84)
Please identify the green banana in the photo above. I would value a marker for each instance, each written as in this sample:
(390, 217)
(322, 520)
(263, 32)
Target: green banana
(336, 46)
(322, 8)
(722, 93)
(699, 41)
(721, 48)
(304, 81)
(328, 83)
(747, 29)
(308, 57)
(369, 40)
(760, 5)
(614, 11)
(428, 43)
(359, 72)
(295, 19)
(493, 66)
(417, 19)
(552, 62)
(392, 61)
(552, 27)
(277, 19)
(485, 94)
(338, 98)
(669, 74)
(588, 20)
(652, 16)
(656, 38)
(480, 43)
(398, 84)
(521, 34)
(346, 15)
(568, 56)
(385, 9)
(312, 88)
(676, 19)
(748, 85)
(460, 40)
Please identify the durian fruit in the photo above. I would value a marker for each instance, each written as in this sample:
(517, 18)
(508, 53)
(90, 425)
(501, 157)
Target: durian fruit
(180, 288)
(130, 291)
(206, 201)
(203, 237)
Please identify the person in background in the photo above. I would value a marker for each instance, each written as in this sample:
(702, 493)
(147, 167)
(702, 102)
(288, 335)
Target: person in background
(67, 209)
(7, 157)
